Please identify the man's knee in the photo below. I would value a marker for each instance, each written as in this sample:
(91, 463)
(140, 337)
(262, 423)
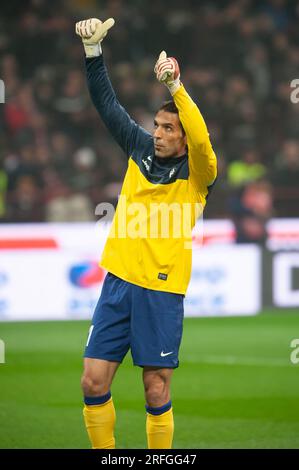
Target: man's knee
(96, 380)
(156, 388)
(97, 376)
(157, 395)
(93, 386)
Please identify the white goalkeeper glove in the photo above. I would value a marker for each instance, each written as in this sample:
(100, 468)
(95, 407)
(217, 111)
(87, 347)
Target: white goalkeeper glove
(167, 71)
(92, 32)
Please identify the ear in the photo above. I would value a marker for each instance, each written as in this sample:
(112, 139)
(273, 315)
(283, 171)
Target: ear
(185, 140)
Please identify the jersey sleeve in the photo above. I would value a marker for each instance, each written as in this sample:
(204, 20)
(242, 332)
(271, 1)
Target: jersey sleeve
(201, 156)
(129, 135)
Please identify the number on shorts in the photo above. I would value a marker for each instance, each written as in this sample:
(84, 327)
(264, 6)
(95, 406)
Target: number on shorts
(89, 335)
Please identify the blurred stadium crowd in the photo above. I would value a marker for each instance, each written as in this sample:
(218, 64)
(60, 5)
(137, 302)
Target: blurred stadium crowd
(237, 58)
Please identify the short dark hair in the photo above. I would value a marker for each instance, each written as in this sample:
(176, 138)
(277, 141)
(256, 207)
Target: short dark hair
(170, 107)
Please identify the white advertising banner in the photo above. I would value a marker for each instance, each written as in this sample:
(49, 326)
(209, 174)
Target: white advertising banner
(226, 280)
(283, 234)
(48, 285)
(285, 294)
(50, 271)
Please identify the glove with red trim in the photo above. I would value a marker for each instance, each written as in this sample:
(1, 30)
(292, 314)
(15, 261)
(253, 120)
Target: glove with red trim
(167, 71)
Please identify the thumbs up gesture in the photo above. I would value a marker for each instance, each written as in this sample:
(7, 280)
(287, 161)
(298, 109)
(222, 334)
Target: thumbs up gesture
(168, 72)
(92, 33)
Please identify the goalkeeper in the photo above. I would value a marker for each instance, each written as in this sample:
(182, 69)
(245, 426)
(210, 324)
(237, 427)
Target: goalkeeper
(141, 303)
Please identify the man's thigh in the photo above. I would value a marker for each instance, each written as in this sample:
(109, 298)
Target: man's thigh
(156, 327)
(109, 333)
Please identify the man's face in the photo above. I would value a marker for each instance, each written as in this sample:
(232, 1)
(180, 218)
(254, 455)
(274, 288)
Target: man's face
(168, 136)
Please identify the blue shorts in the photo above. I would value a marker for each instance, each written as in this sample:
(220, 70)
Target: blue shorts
(127, 316)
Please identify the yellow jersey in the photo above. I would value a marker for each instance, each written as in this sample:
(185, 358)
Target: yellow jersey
(149, 243)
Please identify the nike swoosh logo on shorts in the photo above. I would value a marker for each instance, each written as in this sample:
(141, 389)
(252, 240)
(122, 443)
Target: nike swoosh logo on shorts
(166, 354)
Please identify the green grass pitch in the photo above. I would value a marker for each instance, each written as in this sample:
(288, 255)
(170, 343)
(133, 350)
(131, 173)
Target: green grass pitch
(235, 388)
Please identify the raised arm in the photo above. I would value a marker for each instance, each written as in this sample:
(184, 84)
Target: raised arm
(202, 159)
(129, 135)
